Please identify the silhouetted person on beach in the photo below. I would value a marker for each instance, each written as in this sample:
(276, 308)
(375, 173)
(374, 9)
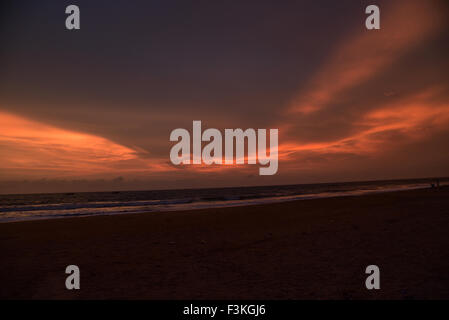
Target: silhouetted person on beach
(436, 184)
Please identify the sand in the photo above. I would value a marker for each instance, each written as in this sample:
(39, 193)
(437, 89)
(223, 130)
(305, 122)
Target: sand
(310, 249)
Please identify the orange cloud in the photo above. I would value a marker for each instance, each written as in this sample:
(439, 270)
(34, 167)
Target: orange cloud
(36, 150)
(363, 56)
(404, 25)
(33, 149)
(410, 119)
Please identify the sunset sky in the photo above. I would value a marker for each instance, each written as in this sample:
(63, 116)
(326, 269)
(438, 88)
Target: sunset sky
(93, 109)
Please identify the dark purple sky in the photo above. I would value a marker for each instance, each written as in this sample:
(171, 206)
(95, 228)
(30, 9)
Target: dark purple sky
(100, 102)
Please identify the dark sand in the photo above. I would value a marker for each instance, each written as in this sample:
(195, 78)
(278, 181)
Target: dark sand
(312, 249)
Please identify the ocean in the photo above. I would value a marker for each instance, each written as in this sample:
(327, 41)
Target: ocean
(21, 207)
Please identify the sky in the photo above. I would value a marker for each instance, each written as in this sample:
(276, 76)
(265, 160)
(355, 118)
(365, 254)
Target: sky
(93, 109)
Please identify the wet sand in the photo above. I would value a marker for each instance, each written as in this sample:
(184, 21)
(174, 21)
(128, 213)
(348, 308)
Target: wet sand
(310, 249)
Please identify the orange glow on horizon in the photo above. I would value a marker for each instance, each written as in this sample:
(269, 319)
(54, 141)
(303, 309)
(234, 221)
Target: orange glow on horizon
(31, 148)
(413, 118)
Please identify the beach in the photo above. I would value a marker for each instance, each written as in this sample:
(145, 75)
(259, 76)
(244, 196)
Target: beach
(306, 249)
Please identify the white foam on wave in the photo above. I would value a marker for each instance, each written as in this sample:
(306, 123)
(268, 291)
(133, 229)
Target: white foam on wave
(67, 210)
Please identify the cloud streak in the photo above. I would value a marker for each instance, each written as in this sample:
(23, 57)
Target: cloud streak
(347, 123)
(369, 53)
(31, 148)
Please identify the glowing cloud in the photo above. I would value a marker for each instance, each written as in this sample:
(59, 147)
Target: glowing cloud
(31, 148)
(410, 119)
(364, 55)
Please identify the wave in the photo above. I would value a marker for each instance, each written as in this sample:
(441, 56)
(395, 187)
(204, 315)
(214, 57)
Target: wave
(35, 207)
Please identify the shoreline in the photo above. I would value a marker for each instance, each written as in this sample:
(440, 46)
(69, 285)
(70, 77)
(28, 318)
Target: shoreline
(200, 205)
(291, 250)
